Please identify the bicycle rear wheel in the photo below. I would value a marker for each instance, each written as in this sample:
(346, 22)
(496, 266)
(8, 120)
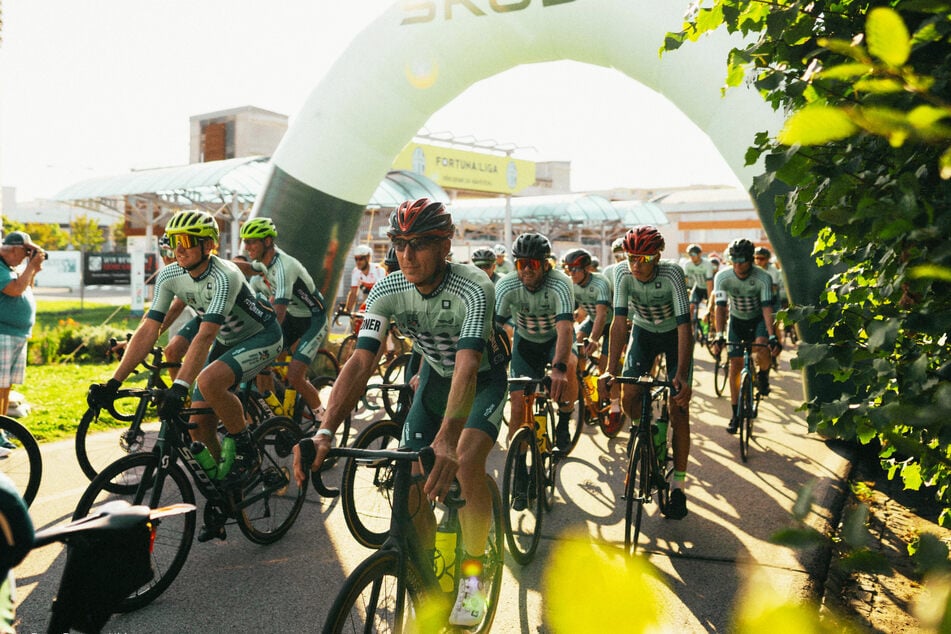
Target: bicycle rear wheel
(637, 492)
(23, 464)
(347, 346)
(367, 489)
(132, 479)
(522, 496)
(367, 601)
(746, 414)
(272, 500)
(95, 450)
(721, 371)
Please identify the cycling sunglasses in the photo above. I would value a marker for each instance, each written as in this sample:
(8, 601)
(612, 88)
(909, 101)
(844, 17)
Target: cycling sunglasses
(646, 259)
(184, 240)
(577, 269)
(528, 263)
(416, 244)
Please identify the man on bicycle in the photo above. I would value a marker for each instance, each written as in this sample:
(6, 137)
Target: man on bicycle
(298, 304)
(699, 274)
(748, 289)
(365, 275)
(541, 301)
(484, 259)
(661, 325)
(447, 309)
(502, 265)
(238, 337)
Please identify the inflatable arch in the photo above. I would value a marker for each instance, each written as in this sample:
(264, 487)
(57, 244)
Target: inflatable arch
(421, 54)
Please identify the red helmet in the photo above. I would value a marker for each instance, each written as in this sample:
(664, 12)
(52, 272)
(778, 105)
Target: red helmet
(421, 217)
(644, 240)
(578, 258)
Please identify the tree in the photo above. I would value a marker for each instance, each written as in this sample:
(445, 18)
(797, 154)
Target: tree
(119, 239)
(49, 236)
(86, 234)
(866, 161)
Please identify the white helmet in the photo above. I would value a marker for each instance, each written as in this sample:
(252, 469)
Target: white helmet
(499, 249)
(362, 250)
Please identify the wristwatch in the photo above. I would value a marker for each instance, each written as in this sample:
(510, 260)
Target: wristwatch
(561, 367)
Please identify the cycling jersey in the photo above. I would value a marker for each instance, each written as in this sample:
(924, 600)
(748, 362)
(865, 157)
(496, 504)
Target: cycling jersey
(593, 294)
(698, 274)
(535, 312)
(455, 316)
(289, 283)
(608, 274)
(658, 305)
(747, 296)
(220, 295)
(365, 281)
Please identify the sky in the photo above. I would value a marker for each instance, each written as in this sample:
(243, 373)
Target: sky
(99, 87)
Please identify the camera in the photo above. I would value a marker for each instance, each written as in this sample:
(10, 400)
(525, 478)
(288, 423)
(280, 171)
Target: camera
(32, 252)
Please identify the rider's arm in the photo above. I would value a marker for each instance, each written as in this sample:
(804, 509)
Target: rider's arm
(351, 299)
(601, 316)
(684, 362)
(198, 351)
(174, 312)
(616, 344)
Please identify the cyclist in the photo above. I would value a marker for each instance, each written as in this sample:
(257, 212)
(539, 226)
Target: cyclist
(748, 290)
(447, 309)
(239, 330)
(594, 295)
(183, 335)
(762, 258)
(699, 274)
(661, 325)
(365, 275)
(484, 259)
(297, 303)
(541, 302)
(502, 265)
(620, 260)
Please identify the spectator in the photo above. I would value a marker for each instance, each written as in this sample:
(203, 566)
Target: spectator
(17, 312)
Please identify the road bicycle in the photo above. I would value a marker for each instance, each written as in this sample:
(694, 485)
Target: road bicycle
(400, 586)
(107, 557)
(133, 405)
(264, 506)
(528, 479)
(595, 410)
(24, 463)
(721, 372)
(747, 407)
(649, 463)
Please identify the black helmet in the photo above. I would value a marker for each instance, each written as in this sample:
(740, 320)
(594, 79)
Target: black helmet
(741, 250)
(390, 261)
(578, 258)
(421, 217)
(531, 245)
(694, 249)
(483, 257)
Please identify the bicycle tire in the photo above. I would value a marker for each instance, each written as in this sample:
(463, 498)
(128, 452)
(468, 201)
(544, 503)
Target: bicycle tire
(395, 374)
(95, 452)
(745, 412)
(132, 480)
(277, 500)
(637, 493)
(523, 527)
(721, 372)
(548, 464)
(324, 364)
(368, 598)
(23, 465)
(494, 560)
(575, 424)
(366, 491)
(346, 348)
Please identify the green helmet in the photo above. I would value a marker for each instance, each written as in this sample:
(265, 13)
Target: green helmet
(196, 223)
(258, 228)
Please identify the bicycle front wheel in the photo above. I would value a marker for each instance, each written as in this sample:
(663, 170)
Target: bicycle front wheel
(721, 371)
(746, 414)
(637, 492)
(99, 443)
(271, 502)
(494, 560)
(324, 364)
(132, 479)
(347, 346)
(367, 489)
(23, 464)
(369, 599)
(522, 496)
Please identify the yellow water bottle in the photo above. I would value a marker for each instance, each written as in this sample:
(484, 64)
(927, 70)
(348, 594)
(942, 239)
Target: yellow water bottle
(271, 399)
(591, 387)
(541, 423)
(290, 398)
(445, 556)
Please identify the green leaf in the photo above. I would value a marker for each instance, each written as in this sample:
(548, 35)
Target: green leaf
(929, 553)
(882, 334)
(930, 271)
(924, 116)
(911, 476)
(844, 71)
(944, 163)
(797, 537)
(854, 528)
(866, 561)
(878, 86)
(816, 125)
(804, 500)
(844, 47)
(887, 36)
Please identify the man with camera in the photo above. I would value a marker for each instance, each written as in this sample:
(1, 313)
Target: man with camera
(17, 312)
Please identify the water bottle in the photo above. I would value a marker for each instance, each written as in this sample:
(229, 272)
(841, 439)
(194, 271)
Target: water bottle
(203, 456)
(227, 457)
(271, 399)
(659, 428)
(541, 422)
(591, 388)
(445, 556)
(290, 398)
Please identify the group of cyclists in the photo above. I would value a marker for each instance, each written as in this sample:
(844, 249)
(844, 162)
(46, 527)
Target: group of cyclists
(473, 325)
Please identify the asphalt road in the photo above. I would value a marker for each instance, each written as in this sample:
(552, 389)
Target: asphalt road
(704, 560)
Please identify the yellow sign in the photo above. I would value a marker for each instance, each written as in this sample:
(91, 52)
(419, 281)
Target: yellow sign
(459, 169)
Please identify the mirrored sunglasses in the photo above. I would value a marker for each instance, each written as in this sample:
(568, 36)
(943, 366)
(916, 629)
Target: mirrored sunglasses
(646, 259)
(416, 244)
(528, 263)
(184, 241)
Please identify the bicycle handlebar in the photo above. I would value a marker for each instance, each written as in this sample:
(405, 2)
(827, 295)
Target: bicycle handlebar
(308, 452)
(527, 382)
(646, 380)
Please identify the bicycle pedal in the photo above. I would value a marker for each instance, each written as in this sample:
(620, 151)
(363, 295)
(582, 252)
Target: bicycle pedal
(208, 533)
